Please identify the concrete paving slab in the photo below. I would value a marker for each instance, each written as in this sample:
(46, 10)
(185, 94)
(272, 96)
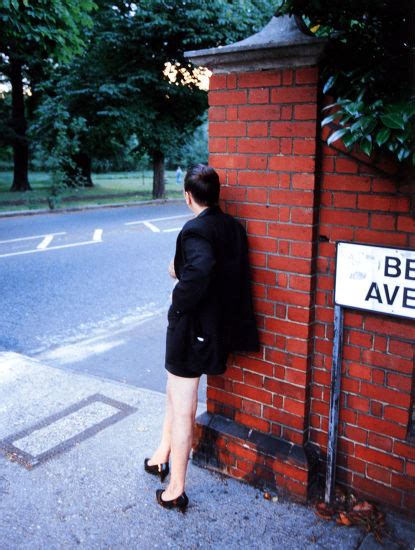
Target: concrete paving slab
(95, 495)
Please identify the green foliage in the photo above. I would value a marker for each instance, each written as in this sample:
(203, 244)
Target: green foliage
(6, 133)
(86, 104)
(160, 31)
(35, 34)
(194, 151)
(367, 68)
(55, 27)
(374, 125)
(117, 87)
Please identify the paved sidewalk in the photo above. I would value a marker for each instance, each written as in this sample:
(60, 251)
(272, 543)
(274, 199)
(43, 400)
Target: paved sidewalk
(84, 439)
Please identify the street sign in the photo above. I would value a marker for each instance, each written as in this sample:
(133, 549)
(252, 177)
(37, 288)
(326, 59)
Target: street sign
(375, 279)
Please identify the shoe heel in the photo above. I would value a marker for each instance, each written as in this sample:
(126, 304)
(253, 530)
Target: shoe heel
(184, 503)
(183, 507)
(159, 470)
(179, 503)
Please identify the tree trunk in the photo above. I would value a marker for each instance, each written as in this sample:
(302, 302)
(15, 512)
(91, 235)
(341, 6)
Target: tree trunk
(84, 164)
(79, 171)
(158, 175)
(18, 124)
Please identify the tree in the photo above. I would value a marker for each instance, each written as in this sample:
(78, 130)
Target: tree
(86, 112)
(195, 149)
(119, 87)
(33, 31)
(159, 32)
(368, 68)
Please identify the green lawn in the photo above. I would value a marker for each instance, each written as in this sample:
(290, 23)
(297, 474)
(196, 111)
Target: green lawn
(108, 188)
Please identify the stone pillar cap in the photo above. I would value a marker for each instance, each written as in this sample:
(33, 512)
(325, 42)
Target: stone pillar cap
(279, 44)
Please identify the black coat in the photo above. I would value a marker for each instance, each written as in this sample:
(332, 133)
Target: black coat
(211, 312)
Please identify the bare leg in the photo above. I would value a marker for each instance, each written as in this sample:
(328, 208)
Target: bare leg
(162, 453)
(183, 395)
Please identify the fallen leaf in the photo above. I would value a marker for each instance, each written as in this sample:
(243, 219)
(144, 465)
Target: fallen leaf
(323, 516)
(344, 519)
(363, 507)
(325, 509)
(352, 500)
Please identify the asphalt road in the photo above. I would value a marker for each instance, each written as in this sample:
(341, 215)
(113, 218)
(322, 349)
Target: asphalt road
(89, 291)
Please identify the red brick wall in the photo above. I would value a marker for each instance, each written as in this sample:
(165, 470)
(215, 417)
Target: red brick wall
(375, 454)
(262, 141)
(296, 198)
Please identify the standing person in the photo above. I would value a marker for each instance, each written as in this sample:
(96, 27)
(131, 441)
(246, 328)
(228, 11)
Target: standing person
(179, 176)
(211, 315)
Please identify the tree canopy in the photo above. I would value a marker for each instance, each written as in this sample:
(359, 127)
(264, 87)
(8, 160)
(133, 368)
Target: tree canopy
(368, 68)
(54, 28)
(32, 33)
(119, 86)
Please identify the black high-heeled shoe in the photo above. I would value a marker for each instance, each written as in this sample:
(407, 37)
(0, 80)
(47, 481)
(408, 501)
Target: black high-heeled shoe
(159, 470)
(180, 502)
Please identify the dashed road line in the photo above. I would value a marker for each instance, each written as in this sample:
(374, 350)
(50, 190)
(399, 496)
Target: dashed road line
(44, 245)
(31, 238)
(97, 237)
(59, 247)
(171, 229)
(152, 227)
(159, 219)
(46, 242)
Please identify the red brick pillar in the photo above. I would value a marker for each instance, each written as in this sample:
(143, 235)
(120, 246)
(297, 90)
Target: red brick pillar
(262, 141)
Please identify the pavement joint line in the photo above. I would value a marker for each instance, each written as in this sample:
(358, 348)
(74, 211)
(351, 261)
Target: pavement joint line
(9, 446)
(200, 405)
(30, 238)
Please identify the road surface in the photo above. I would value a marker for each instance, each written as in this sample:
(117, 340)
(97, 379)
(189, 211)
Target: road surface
(89, 291)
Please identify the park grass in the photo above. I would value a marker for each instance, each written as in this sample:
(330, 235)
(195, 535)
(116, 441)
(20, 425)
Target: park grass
(110, 188)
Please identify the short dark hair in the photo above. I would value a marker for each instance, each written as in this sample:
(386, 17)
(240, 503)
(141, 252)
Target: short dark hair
(203, 183)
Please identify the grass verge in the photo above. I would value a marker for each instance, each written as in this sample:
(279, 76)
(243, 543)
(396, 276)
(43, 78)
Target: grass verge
(111, 188)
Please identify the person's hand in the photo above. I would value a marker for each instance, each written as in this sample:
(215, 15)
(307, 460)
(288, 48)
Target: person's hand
(172, 273)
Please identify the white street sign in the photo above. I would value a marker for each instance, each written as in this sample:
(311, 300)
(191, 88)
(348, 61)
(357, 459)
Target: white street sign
(376, 279)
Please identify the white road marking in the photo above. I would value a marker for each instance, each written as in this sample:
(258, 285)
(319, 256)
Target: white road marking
(160, 219)
(71, 245)
(172, 229)
(101, 339)
(73, 353)
(151, 226)
(46, 242)
(30, 238)
(97, 235)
